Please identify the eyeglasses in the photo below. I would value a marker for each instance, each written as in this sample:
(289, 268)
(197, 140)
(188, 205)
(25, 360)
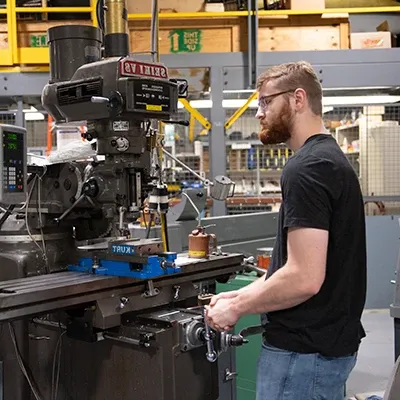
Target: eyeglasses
(265, 101)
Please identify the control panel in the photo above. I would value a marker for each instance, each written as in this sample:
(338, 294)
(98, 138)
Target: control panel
(13, 158)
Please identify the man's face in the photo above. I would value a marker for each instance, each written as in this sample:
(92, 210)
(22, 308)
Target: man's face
(275, 115)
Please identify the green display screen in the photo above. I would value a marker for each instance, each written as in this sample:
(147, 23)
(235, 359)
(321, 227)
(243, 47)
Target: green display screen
(11, 136)
(12, 146)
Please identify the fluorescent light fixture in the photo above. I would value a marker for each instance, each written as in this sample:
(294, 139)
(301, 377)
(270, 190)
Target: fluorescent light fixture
(29, 110)
(359, 100)
(239, 91)
(198, 104)
(326, 101)
(358, 88)
(327, 109)
(34, 116)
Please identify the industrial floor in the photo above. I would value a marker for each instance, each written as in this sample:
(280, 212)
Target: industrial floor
(376, 356)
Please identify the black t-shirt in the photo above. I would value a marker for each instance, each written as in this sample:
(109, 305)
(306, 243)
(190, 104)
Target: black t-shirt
(321, 190)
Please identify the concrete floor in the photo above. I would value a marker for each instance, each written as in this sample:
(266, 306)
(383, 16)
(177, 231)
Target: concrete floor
(376, 356)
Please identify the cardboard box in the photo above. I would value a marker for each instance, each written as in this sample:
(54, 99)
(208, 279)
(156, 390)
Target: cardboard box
(307, 4)
(371, 40)
(184, 6)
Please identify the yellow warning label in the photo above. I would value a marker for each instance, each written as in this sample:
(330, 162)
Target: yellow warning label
(151, 107)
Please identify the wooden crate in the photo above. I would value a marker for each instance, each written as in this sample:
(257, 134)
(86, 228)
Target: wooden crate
(214, 35)
(28, 30)
(292, 33)
(203, 35)
(145, 6)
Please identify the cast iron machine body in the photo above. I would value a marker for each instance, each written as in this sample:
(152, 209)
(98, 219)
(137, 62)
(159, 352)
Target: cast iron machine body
(93, 312)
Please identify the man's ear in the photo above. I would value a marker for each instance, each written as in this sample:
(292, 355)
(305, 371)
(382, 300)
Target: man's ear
(300, 98)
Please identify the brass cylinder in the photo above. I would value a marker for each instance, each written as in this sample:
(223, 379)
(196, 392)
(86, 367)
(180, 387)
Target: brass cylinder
(115, 16)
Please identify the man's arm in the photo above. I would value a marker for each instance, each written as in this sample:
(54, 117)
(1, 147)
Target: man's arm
(255, 285)
(297, 281)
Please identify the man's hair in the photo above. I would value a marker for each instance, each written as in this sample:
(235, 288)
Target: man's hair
(295, 75)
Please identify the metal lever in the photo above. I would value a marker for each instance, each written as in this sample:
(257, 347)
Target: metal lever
(66, 213)
(205, 181)
(98, 99)
(203, 300)
(180, 122)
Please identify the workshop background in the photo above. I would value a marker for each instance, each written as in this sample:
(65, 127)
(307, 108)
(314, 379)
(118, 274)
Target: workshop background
(221, 47)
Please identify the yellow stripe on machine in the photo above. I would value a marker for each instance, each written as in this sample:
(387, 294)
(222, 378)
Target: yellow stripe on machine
(152, 107)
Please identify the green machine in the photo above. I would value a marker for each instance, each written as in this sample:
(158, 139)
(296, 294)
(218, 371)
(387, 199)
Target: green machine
(247, 355)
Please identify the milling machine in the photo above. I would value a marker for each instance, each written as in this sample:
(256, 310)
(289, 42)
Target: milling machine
(89, 312)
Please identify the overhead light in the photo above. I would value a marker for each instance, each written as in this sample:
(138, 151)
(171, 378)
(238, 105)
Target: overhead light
(34, 116)
(239, 91)
(326, 101)
(29, 110)
(327, 109)
(198, 104)
(358, 88)
(359, 100)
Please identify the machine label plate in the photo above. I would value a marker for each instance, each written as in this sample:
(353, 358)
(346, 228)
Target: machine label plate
(123, 249)
(151, 96)
(120, 126)
(135, 68)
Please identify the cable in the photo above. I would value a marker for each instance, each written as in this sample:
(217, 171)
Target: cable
(21, 364)
(56, 360)
(26, 216)
(46, 260)
(11, 208)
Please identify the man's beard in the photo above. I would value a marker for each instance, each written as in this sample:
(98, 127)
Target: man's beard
(278, 130)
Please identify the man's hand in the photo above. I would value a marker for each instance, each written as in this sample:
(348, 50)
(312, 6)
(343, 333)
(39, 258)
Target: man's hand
(222, 316)
(223, 295)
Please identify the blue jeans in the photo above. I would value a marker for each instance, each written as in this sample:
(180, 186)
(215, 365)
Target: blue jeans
(285, 375)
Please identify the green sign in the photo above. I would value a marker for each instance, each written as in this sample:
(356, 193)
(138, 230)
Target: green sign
(38, 40)
(185, 40)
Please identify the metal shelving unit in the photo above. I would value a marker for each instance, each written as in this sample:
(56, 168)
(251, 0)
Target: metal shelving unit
(350, 69)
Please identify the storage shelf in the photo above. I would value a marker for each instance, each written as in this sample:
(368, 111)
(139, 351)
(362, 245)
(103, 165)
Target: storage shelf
(226, 14)
(18, 54)
(53, 9)
(355, 10)
(6, 57)
(262, 13)
(34, 55)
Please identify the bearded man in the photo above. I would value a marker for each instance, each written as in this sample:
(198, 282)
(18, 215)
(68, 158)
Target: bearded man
(312, 298)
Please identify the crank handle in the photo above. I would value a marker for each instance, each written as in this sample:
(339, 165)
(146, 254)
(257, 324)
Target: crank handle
(67, 212)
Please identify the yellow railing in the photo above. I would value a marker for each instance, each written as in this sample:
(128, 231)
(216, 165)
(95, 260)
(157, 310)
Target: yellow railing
(19, 58)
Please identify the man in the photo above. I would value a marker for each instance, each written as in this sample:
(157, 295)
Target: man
(313, 295)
